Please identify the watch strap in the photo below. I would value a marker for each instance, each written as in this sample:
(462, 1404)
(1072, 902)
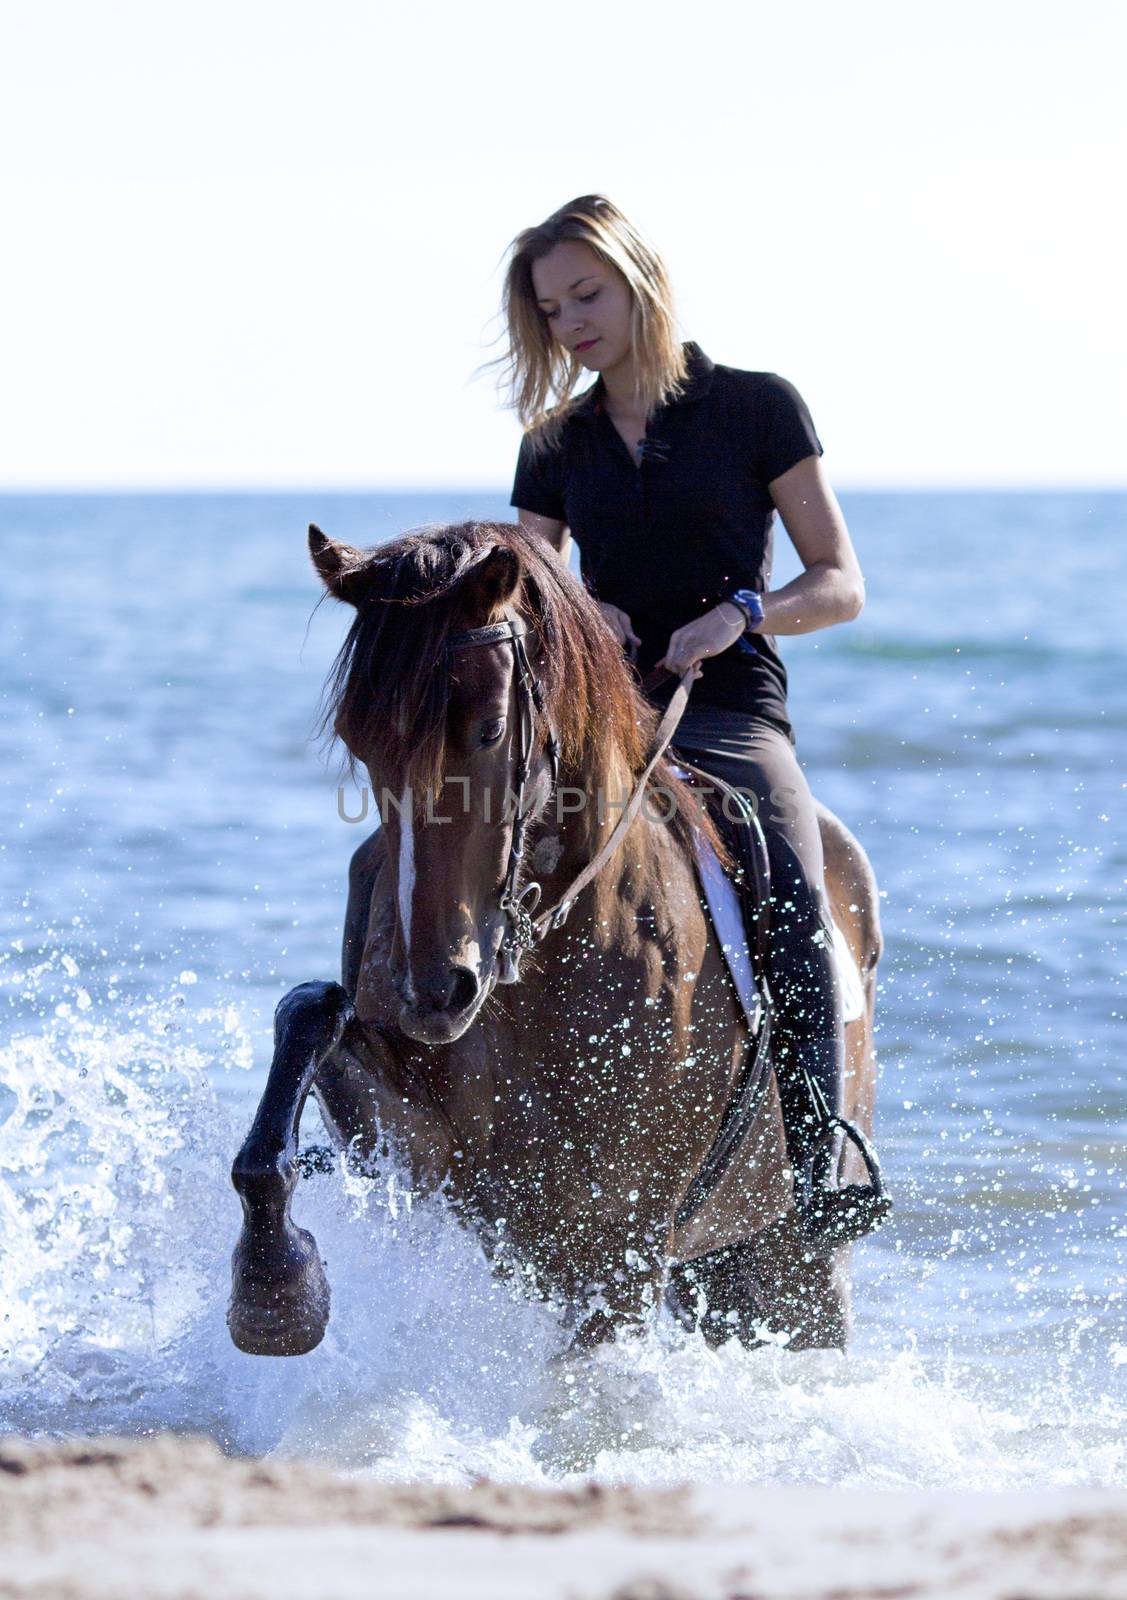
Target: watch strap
(750, 604)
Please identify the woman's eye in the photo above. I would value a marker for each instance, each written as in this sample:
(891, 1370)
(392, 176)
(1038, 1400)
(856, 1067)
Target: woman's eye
(492, 731)
(585, 299)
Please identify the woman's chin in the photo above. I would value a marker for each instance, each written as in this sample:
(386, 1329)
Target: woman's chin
(597, 359)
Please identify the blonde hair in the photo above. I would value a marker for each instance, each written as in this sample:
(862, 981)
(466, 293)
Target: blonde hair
(541, 375)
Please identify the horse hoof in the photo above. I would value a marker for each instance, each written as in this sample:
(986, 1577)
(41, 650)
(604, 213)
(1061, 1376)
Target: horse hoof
(284, 1315)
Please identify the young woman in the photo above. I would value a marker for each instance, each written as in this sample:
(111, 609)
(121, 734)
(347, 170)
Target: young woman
(668, 471)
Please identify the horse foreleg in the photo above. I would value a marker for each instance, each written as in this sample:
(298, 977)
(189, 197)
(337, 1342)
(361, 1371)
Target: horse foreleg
(279, 1292)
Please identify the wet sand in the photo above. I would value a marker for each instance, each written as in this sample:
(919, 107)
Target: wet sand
(172, 1518)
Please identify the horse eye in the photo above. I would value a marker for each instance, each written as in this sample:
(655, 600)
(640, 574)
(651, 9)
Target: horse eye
(492, 731)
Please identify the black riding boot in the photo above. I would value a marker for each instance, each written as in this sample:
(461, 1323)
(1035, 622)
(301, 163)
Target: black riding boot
(809, 1074)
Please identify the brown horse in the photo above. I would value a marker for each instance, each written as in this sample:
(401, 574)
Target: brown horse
(567, 1101)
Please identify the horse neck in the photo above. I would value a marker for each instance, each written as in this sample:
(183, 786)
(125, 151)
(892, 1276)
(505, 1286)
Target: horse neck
(583, 833)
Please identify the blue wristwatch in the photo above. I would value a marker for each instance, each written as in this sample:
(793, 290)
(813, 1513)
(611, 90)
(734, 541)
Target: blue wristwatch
(751, 604)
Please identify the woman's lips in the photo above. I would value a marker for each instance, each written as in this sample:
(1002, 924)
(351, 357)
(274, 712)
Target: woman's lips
(586, 345)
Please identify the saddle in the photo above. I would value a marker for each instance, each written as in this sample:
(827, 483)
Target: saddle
(739, 901)
(740, 829)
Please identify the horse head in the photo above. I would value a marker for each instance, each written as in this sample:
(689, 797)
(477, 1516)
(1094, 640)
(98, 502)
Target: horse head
(450, 689)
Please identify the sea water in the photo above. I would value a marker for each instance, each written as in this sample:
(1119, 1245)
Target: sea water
(173, 858)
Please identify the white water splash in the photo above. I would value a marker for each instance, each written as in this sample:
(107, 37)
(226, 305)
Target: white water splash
(118, 1222)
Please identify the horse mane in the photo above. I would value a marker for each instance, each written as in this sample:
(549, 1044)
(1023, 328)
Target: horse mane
(388, 688)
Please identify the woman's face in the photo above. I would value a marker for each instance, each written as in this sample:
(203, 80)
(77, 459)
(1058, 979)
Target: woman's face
(586, 304)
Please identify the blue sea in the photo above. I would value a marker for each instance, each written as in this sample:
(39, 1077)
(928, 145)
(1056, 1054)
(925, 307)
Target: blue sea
(173, 859)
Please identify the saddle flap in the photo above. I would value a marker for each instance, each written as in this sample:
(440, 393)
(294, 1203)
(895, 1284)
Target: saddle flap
(727, 916)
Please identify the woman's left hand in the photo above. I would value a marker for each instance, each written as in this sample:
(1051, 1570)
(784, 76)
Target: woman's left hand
(705, 636)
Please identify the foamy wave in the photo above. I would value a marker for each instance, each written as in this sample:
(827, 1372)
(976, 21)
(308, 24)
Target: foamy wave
(118, 1221)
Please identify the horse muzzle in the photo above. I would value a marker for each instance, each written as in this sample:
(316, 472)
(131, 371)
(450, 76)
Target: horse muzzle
(439, 1007)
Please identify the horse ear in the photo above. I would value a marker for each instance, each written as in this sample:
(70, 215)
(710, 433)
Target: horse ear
(343, 570)
(491, 581)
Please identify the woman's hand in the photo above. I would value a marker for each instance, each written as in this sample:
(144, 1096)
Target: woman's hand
(705, 636)
(620, 625)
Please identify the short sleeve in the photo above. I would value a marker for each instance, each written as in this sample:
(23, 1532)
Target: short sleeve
(537, 486)
(787, 430)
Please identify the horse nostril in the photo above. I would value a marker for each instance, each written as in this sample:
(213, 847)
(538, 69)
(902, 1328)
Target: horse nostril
(454, 990)
(465, 987)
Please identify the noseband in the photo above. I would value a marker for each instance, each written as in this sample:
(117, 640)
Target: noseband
(524, 933)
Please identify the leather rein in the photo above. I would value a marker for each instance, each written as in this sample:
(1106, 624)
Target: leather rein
(524, 931)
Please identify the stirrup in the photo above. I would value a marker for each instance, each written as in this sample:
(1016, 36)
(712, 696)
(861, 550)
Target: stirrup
(838, 1216)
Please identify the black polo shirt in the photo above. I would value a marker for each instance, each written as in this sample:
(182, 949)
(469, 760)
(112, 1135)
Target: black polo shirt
(667, 540)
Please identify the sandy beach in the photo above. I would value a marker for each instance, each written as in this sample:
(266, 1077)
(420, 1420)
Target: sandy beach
(171, 1517)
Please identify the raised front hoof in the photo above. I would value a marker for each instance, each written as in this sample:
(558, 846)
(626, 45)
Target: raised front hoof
(281, 1315)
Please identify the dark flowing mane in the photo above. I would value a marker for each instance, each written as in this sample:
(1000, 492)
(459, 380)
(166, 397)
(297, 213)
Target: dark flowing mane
(387, 693)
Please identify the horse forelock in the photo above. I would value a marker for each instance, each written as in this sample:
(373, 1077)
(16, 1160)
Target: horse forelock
(388, 689)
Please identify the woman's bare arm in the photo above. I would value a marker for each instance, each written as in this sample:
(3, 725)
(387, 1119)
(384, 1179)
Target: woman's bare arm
(556, 533)
(832, 589)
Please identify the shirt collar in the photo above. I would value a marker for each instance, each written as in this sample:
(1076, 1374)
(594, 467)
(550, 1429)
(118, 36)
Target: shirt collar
(701, 369)
(697, 384)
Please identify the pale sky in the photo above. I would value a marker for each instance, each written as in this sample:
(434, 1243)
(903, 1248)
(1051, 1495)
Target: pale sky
(259, 244)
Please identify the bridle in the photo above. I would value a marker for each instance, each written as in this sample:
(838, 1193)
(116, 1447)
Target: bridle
(518, 908)
(523, 931)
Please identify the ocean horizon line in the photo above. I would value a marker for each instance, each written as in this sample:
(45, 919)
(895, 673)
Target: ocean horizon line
(486, 491)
